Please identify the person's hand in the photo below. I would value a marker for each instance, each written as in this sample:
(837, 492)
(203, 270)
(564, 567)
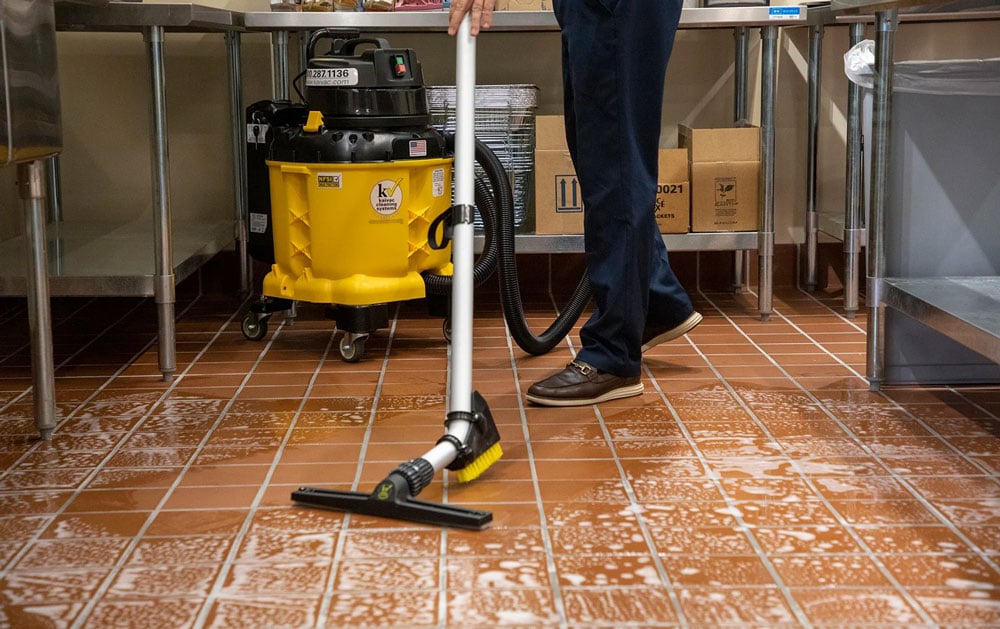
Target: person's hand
(481, 11)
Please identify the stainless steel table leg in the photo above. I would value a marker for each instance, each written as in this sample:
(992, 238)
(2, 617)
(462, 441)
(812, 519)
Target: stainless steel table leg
(53, 191)
(31, 184)
(53, 198)
(812, 218)
(303, 37)
(163, 279)
(740, 70)
(239, 157)
(765, 235)
(279, 65)
(853, 200)
(886, 23)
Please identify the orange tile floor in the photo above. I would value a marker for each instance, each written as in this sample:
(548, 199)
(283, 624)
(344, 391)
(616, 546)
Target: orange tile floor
(757, 482)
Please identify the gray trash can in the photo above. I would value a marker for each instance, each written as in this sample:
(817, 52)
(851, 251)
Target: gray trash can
(943, 200)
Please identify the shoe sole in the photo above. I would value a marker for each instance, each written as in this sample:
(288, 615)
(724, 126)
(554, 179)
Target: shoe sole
(675, 332)
(614, 394)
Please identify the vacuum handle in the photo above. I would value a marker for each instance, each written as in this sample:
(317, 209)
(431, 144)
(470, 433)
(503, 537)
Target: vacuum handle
(347, 48)
(338, 36)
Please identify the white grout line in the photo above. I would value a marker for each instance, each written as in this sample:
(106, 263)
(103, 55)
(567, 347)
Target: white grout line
(804, 476)
(637, 509)
(338, 552)
(731, 503)
(237, 540)
(900, 479)
(16, 313)
(134, 542)
(550, 563)
(82, 484)
(65, 362)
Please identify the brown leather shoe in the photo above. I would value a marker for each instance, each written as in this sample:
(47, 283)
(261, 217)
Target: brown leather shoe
(580, 384)
(651, 337)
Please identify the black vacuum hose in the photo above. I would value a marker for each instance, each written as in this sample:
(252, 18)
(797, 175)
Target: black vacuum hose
(497, 210)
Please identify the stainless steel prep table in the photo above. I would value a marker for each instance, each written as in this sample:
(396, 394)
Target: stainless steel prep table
(30, 132)
(105, 259)
(768, 19)
(964, 309)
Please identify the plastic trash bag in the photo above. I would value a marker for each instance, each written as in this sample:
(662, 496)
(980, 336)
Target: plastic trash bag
(859, 63)
(966, 77)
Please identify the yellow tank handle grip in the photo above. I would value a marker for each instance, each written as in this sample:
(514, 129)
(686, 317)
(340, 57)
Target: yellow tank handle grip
(313, 122)
(296, 169)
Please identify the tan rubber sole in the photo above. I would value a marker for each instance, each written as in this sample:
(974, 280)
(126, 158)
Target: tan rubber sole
(675, 332)
(614, 394)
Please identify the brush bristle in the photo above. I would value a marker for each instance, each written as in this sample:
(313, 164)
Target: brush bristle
(482, 463)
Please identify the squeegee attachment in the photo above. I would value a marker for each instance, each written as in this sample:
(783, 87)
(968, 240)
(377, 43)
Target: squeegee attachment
(394, 496)
(392, 499)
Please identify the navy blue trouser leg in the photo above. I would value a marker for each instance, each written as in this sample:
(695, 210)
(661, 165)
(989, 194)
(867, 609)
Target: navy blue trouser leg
(615, 55)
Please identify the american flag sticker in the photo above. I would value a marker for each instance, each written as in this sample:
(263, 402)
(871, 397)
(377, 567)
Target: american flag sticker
(418, 148)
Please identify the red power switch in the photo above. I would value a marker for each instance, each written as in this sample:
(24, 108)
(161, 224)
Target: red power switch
(399, 65)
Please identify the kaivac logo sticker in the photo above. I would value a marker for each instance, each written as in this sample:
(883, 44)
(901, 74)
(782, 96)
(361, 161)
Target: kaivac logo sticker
(387, 197)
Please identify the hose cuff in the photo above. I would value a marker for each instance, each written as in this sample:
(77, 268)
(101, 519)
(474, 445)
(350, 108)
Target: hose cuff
(418, 474)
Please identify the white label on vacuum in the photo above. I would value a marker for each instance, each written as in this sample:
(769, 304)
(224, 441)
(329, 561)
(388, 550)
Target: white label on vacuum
(331, 77)
(330, 180)
(437, 182)
(258, 223)
(387, 197)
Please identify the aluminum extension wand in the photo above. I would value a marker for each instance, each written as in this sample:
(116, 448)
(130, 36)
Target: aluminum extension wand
(471, 442)
(460, 369)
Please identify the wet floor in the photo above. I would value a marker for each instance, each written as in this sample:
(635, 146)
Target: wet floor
(756, 482)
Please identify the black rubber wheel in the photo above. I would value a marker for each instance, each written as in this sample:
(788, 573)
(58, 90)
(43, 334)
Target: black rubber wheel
(253, 328)
(352, 350)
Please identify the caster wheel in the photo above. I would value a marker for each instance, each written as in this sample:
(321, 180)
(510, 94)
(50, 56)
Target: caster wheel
(446, 330)
(352, 347)
(253, 326)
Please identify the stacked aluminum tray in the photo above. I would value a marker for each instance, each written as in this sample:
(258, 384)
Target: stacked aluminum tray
(505, 121)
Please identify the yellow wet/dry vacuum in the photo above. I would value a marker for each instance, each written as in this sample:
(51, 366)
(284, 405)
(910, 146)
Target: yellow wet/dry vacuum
(350, 203)
(344, 191)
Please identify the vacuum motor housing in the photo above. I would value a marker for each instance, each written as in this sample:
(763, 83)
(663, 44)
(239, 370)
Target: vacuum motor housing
(343, 189)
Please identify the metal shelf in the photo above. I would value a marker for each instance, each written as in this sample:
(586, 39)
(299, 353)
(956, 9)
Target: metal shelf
(417, 21)
(833, 225)
(740, 19)
(573, 243)
(965, 309)
(149, 256)
(134, 16)
(112, 259)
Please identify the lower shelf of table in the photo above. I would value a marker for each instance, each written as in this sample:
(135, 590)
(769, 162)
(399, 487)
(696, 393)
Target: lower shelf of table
(112, 258)
(966, 309)
(573, 243)
(833, 225)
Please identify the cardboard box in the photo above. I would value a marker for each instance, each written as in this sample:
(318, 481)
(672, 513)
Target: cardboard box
(550, 133)
(523, 5)
(559, 204)
(673, 192)
(725, 177)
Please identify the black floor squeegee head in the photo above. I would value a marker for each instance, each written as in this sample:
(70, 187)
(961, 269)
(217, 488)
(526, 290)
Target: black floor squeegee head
(394, 497)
